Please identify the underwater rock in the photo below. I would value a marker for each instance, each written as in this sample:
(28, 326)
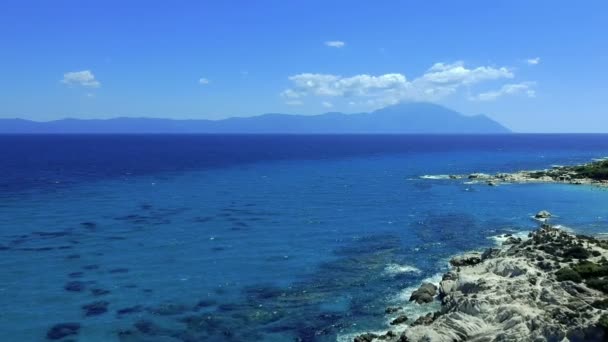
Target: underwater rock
(399, 320)
(119, 270)
(204, 304)
(511, 241)
(74, 286)
(392, 309)
(147, 327)
(367, 337)
(99, 292)
(89, 225)
(129, 310)
(170, 309)
(95, 308)
(543, 214)
(61, 330)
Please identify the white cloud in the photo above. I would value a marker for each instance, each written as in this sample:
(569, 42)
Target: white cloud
(439, 81)
(533, 61)
(507, 89)
(203, 81)
(335, 44)
(441, 73)
(327, 104)
(84, 78)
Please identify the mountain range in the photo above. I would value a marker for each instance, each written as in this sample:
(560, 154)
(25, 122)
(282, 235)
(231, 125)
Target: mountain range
(405, 118)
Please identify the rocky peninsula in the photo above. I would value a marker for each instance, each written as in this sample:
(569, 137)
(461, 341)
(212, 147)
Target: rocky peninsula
(593, 173)
(550, 286)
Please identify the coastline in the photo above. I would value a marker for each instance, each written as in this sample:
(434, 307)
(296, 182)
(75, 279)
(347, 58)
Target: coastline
(528, 288)
(546, 287)
(594, 173)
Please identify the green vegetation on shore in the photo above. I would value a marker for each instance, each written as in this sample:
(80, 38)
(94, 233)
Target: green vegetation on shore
(596, 170)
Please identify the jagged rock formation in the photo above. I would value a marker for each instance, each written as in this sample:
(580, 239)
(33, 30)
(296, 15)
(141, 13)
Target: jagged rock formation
(550, 287)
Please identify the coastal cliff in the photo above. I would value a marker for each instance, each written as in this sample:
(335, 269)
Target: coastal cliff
(551, 286)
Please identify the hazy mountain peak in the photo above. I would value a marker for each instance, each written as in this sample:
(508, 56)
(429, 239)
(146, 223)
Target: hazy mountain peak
(403, 118)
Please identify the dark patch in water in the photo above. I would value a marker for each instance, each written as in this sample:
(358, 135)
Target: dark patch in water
(90, 267)
(130, 286)
(147, 327)
(75, 286)
(99, 292)
(119, 270)
(72, 256)
(76, 275)
(89, 225)
(204, 304)
(454, 229)
(146, 206)
(95, 308)
(218, 249)
(51, 235)
(269, 308)
(203, 219)
(241, 224)
(261, 292)
(170, 309)
(370, 244)
(36, 249)
(130, 310)
(61, 330)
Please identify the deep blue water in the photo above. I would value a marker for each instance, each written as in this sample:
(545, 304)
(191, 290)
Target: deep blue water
(255, 238)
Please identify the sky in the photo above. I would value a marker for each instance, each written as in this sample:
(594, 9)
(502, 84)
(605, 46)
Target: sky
(535, 66)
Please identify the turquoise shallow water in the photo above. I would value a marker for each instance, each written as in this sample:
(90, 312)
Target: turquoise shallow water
(310, 243)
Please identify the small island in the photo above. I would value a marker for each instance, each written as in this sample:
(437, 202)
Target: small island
(550, 286)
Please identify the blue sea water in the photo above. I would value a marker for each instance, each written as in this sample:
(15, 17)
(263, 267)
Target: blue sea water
(256, 238)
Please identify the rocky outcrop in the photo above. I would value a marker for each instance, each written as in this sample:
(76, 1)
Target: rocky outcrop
(468, 259)
(543, 214)
(425, 293)
(593, 173)
(552, 286)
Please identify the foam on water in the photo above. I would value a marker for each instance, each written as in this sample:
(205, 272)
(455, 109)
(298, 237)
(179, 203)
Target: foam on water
(393, 269)
(435, 177)
(500, 238)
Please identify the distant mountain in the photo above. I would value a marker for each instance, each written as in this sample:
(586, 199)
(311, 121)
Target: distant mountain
(398, 119)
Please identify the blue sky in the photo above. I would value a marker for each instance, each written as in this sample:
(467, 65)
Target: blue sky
(536, 66)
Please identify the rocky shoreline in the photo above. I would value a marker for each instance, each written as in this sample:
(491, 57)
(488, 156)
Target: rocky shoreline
(593, 173)
(551, 286)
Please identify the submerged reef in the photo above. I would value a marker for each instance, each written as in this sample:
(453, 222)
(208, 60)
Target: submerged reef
(552, 286)
(593, 173)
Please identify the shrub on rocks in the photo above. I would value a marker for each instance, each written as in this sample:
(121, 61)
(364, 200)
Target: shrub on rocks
(598, 284)
(567, 273)
(588, 269)
(577, 252)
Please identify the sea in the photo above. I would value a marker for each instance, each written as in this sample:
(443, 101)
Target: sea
(257, 237)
